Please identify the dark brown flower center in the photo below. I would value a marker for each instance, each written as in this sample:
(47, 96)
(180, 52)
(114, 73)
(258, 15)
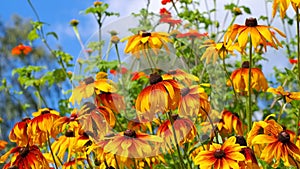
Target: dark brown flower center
(251, 22)
(24, 151)
(174, 117)
(219, 154)
(155, 78)
(70, 133)
(260, 130)
(89, 80)
(45, 111)
(185, 91)
(130, 133)
(241, 140)
(144, 33)
(284, 137)
(246, 64)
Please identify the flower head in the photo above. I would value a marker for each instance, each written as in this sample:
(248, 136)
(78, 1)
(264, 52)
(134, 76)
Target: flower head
(260, 34)
(287, 96)
(283, 6)
(146, 40)
(18, 134)
(232, 121)
(240, 76)
(164, 2)
(25, 158)
(192, 34)
(164, 13)
(21, 50)
(221, 156)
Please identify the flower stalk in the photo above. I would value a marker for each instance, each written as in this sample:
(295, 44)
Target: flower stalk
(249, 113)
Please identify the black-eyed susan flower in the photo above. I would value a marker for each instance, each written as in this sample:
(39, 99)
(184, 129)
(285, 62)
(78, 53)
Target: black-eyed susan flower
(113, 101)
(222, 156)
(215, 50)
(40, 127)
(260, 34)
(278, 145)
(286, 96)
(185, 131)
(183, 76)
(193, 102)
(250, 159)
(66, 123)
(232, 122)
(146, 40)
(131, 144)
(283, 5)
(29, 157)
(96, 120)
(18, 134)
(21, 50)
(240, 76)
(138, 75)
(161, 95)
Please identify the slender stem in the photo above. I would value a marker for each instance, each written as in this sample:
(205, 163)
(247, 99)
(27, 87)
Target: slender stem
(117, 165)
(187, 158)
(89, 161)
(298, 56)
(249, 113)
(51, 151)
(281, 110)
(173, 3)
(176, 141)
(40, 96)
(211, 123)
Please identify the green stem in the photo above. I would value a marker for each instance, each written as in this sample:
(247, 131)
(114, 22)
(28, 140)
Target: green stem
(117, 165)
(173, 3)
(249, 113)
(176, 141)
(40, 96)
(51, 151)
(298, 56)
(281, 110)
(211, 123)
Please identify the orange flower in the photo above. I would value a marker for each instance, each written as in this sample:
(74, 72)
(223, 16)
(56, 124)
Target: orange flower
(287, 96)
(278, 145)
(146, 40)
(184, 129)
(250, 159)
(240, 76)
(193, 102)
(19, 133)
(164, 2)
(192, 34)
(164, 13)
(138, 75)
(40, 127)
(21, 50)
(131, 144)
(172, 22)
(113, 101)
(29, 157)
(161, 96)
(232, 121)
(293, 61)
(97, 121)
(221, 156)
(260, 34)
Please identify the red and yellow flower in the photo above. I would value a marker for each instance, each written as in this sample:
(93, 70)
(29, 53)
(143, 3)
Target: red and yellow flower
(221, 156)
(18, 134)
(232, 122)
(286, 96)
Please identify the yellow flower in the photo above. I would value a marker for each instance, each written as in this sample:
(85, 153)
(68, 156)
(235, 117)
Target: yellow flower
(240, 77)
(283, 6)
(232, 121)
(221, 156)
(18, 134)
(220, 49)
(287, 96)
(260, 34)
(278, 145)
(146, 40)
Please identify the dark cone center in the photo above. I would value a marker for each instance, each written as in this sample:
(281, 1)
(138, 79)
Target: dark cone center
(172, 72)
(25, 119)
(45, 112)
(251, 22)
(185, 91)
(89, 80)
(241, 140)
(130, 133)
(155, 78)
(144, 33)
(219, 154)
(174, 117)
(284, 137)
(70, 133)
(246, 64)
(24, 151)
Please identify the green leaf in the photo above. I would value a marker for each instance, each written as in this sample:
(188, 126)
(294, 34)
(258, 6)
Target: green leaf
(246, 9)
(33, 35)
(53, 34)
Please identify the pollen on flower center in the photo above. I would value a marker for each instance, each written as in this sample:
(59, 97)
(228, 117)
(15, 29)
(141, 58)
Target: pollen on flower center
(130, 133)
(185, 91)
(89, 80)
(24, 151)
(246, 64)
(284, 137)
(219, 154)
(155, 78)
(251, 22)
